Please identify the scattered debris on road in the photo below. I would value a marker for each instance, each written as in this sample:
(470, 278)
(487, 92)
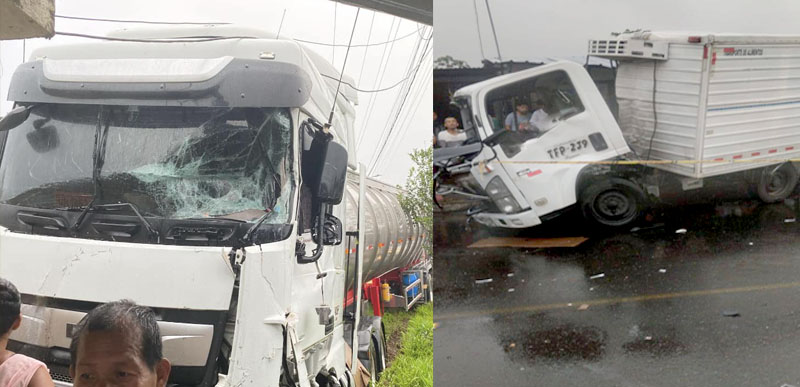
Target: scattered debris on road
(483, 281)
(583, 307)
(510, 290)
(680, 231)
(730, 313)
(596, 276)
(662, 270)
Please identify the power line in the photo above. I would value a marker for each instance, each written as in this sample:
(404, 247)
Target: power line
(226, 23)
(478, 24)
(383, 146)
(369, 35)
(132, 21)
(278, 35)
(186, 39)
(491, 21)
(408, 119)
(378, 80)
(385, 133)
(360, 45)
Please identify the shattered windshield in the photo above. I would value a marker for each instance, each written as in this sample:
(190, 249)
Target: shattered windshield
(171, 162)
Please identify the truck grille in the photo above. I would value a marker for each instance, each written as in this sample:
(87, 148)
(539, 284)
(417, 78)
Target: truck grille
(60, 377)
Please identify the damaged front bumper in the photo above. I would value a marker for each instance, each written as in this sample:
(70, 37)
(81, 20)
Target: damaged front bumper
(524, 219)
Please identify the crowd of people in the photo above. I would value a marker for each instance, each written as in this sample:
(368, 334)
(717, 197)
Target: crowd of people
(115, 344)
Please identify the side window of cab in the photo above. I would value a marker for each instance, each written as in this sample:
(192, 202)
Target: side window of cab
(532, 107)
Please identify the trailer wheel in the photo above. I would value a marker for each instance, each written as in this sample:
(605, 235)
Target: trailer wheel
(612, 203)
(776, 183)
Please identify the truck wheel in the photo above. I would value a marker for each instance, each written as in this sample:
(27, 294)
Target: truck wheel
(375, 360)
(776, 186)
(612, 203)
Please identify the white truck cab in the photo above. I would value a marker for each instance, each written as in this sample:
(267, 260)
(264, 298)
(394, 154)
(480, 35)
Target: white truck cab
(580, 127)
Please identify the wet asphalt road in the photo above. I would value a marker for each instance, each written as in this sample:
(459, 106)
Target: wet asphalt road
(718, 305)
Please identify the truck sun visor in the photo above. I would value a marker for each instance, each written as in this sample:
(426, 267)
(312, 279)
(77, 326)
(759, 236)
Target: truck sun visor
(219, 82)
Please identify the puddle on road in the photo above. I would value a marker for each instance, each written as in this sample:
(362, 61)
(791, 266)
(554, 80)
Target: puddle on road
(562, 343)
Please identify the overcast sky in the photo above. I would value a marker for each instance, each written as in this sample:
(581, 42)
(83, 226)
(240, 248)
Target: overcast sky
(311, 20)
(537, 29)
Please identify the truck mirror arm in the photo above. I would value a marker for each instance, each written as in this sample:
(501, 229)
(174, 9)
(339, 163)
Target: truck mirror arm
(300, 251)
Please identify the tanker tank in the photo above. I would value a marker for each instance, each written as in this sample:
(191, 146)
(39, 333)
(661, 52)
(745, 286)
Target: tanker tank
(391, 239)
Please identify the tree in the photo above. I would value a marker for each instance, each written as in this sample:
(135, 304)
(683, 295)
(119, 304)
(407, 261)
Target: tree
(448, 62)
(417, 200)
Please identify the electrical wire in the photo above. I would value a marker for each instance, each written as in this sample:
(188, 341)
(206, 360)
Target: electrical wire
(186, 39)
(408, 119)
(360, 45)
(366, 50)
(378, 80)
(131, 21)
(280, 26)
(226, 23)
(392, 127)
(491, 21)
(478, 24)
(396, 104)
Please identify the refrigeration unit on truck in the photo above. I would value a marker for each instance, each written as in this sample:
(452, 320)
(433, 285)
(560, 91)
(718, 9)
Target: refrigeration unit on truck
(693, 108)
(195, 176)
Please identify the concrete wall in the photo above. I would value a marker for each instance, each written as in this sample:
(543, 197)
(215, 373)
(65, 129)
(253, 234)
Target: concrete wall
(21, 19)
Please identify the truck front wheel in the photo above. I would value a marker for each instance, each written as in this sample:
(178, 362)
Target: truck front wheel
(775, 183)
(613, 202)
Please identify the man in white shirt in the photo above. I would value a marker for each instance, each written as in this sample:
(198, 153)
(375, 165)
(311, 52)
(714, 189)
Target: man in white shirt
(451, 136)
(544, 118)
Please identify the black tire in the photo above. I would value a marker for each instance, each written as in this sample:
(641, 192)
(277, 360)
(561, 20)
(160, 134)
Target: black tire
(612, 203)
(375, 360)
(774, 187)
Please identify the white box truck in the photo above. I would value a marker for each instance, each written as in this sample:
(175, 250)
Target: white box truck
(186, 169)
(692, 107)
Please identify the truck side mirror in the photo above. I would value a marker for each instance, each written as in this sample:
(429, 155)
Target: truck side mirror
(15, 117)
(496, 137)
(331, 231)
(325, 169)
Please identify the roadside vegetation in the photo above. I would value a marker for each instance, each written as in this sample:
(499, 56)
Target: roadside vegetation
(412, 366)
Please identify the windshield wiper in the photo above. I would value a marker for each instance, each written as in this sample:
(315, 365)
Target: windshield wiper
(112, 206)
(98, 158)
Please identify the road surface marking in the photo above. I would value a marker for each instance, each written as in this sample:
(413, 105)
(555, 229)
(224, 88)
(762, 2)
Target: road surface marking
(617, 300)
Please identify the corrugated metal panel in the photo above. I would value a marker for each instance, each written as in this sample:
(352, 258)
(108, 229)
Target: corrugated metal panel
(678, 87)
(753, 105)
(387, 224)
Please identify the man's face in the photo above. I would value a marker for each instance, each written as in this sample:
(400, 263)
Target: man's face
(450, 123)
(112, 359)
(522, 108)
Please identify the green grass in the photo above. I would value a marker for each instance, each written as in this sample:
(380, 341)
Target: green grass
(394, 319)
(413, 366)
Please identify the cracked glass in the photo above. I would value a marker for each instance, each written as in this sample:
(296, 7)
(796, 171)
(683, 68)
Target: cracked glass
(170, 162)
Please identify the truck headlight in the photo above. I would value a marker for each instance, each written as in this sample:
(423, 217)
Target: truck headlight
(501, 196)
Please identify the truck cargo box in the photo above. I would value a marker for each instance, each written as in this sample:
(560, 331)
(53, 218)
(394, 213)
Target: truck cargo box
(719, 97)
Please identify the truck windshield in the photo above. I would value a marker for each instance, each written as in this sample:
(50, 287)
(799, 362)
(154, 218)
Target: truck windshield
(170, 162)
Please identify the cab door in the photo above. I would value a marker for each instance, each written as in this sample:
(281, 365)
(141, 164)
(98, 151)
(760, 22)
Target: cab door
(570, 123)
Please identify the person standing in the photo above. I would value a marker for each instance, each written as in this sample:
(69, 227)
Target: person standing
(16, 370)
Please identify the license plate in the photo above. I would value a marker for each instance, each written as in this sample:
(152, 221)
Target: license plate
(568, 149)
